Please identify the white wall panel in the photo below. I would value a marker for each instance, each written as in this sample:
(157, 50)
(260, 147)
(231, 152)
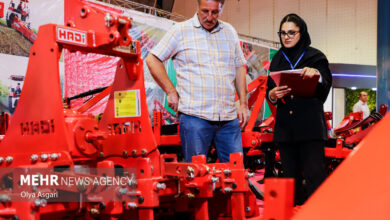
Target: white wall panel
(185, 7)
(314, 13)
(366, 31)
(341, 30)
(262, 20)
(237, 13)
(282, 8)
(345, 30)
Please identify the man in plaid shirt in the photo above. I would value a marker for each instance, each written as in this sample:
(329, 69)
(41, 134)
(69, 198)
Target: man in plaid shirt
(209, 63)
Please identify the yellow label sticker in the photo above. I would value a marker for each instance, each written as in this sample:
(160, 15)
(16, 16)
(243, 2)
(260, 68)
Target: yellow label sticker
(127, 103)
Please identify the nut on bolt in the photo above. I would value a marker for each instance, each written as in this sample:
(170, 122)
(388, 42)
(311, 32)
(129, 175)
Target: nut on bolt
(132, 183)
(214, 179)
(123, 191)
(1, 160)
(190, 169)
(143, 151)
(44, 157)
(161, 186)
(134, 152)
(40, 203)
(122, 21)
(94, 211)
(227, 172)
(34, 158)
(54, 156)
(43, 202)
(37, 202)
(132, 205)
(190, 195)
(228, 189)
(190, 172)
(108, 19)
(250, 174)
(4, 198)
(9, 159)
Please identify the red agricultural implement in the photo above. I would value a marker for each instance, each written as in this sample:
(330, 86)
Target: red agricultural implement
(45, 135)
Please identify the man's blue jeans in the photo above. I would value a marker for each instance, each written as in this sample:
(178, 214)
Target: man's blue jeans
(197, 135)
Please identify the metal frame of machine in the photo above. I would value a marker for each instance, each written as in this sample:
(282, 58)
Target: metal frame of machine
(43, 134)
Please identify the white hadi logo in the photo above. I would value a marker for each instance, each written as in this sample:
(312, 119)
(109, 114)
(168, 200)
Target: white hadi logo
(71, 36)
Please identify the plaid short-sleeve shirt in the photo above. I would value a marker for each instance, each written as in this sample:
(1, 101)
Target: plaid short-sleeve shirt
(205, 64)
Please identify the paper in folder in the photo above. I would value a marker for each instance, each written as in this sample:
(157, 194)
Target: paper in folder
(292, 78)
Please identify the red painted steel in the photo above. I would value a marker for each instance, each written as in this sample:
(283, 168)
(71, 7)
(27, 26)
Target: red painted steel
(278, 198)
(41, 127)
(93, 101)
(358, 188)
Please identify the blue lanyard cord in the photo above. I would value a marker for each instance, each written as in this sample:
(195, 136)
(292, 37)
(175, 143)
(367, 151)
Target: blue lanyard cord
(293, 67)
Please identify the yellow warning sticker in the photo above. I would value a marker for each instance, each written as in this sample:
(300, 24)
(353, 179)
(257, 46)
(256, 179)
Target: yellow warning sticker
(127, 103)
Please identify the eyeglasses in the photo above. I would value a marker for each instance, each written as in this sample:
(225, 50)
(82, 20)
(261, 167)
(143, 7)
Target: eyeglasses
(290, 34)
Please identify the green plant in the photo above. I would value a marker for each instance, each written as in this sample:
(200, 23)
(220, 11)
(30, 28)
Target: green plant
(352, 96)
(3, 90)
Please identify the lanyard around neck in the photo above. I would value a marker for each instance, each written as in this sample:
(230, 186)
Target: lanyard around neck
(293, 67)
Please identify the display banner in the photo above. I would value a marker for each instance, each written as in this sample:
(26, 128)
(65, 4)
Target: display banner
(84, 72)
(18, 31)
(267, 111)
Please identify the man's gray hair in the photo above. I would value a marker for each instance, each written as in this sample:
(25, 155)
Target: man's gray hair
(220, 1)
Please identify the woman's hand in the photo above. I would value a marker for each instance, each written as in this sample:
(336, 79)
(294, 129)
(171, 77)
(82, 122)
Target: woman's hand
(278, 92)
(308, 72)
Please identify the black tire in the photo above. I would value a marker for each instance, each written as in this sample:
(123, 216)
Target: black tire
(10, 19)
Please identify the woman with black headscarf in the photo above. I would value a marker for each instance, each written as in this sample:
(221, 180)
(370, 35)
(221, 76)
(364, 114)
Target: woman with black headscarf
(300, 127)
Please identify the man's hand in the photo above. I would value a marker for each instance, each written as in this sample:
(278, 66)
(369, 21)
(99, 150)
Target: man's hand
(158, 72)
(243, 115)
(278, 92)
(308, 72)
(173, 100)
(241, 89)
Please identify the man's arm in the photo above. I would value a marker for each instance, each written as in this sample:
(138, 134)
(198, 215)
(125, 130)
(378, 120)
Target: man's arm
(159, 74)
(242, 92)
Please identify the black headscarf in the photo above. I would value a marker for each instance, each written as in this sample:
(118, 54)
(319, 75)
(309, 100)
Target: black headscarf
(312, 55)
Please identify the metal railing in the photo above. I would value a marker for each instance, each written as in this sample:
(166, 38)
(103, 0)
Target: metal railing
(177, 17)
(146, 9)
(261, 41)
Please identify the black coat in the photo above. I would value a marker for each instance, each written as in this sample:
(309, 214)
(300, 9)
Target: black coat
(302, 119)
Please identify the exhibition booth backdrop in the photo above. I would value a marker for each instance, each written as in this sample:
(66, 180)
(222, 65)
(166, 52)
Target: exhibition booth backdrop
(84, 72)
